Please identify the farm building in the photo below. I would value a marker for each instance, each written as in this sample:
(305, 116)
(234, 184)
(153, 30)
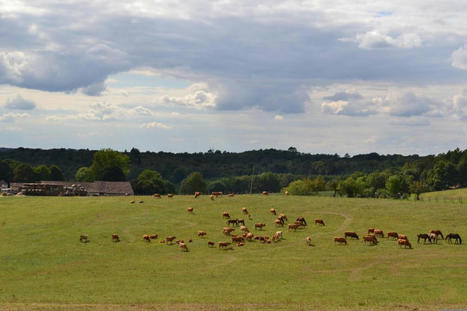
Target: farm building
(96, 188)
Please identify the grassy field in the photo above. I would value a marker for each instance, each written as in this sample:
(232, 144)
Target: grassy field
(44, 266)
(455, 195)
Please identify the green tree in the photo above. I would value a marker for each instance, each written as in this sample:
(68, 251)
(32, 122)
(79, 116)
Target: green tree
(56, 173)
(396, 186)
(105, 163)
(192, 183)
(418, 187)
(352, 187)
(217, 186)
(113, 173)
(150, 182)
(6, 172)
(42, 172)
(443, 175)
(24, 173)
(84, 174)
(302, 187)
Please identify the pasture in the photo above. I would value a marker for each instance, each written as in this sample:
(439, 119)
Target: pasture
(44, 266)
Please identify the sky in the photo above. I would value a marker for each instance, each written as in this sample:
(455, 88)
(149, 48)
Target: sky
(188, 76)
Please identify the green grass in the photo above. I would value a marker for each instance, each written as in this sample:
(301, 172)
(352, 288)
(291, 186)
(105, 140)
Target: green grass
(455, 195)
(42, 261)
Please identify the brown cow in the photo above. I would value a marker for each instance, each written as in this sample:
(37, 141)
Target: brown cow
(244, 210)
(351, 234)
(340, 240)
(236, 238)
(225, 215)
(83, 238)
(183, 246)
(244, 229)
(217, 193)
(265, 193)
(232, 222)
(212, 197)
(239, 244)
(156, 195)
(371, 230)
(393, 234)
(286, 192)
(278, 222)
(249, 236)
(170, 195)
(223, 244)
(197, 194)
(277, 236)
(190, 209)
(260, 226)
(319, 222)
(402, 237)
(404, 242)
(115, 238)
(379, 233)
(170, 239)
(132, 201)
(302, 221)
(146, 238)
(249, 216)
(240, 221)
(228, 230)
(308, 240)
(201, 233)
(293, 226)
(282, 217)
(211, 244)
(230, 195)
(273, 211)
(153, 236)
(370, 239)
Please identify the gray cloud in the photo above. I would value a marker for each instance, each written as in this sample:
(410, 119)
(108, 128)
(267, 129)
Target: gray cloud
(19, 103)
(412, 105)
(348, 104)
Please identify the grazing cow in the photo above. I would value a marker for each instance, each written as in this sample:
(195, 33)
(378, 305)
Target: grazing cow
(230, 195)
(423, 236)
(438, 233)
(263, 239)
(433, 237)
(279, 222)
(132, 201)
(371, 230)
(283, 217)
(217, 193)
(286, 192)
(277, 236)
(83, 238)
(115, 238)
(308, 240)
(223, 244)
(319, 222)
(232, 222)
(293, 226)
(228, 230)
(170, 195)
(351, 234)
(190, 209)
(201, 233)
(240, 221)
(190, 240)
(370, 239)
(170, 239)
(379, 233)
(249, 216)
(239, 244)
(156, 195)
(162, 241)
(249, 236)
(244, 210)
(402, 237)
(153, 236)
(236, 238)
(146, 238)
(141, 201)
(197, 194)
(455, 236)
(244, 229)
(212, 197)
(225, 215)
(340, 240)
(211, 244)
(303, 221)
(265, 193)
(183, 246)
(393, 234)
(260, 226)
(273, 211)
(404, 242)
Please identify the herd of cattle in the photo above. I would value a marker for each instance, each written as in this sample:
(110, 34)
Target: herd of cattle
(239, 240)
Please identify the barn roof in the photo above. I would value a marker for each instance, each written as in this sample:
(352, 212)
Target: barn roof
(100, 187)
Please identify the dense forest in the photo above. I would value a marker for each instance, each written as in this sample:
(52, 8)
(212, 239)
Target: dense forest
(250, 171)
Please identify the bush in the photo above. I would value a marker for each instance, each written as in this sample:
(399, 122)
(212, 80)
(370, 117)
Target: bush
(193, 183)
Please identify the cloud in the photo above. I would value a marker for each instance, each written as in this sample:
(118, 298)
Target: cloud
(459, 58)
(349, 104)
(377, 40)
(199, 97)
(460, 105)
(155, 124)
(19, 103)
(10, 117)
(410, 105)
(95, 89)
(278, 117)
